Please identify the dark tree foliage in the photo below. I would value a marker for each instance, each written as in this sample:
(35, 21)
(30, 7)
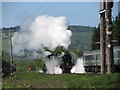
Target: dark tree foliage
(5, 65)
(56, 50)
(116, 34)
(78, 52)
(116, 30)
(5, 68)
(95, 38)
(13, 29)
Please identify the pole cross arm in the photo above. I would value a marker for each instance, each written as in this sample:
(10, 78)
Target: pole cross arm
(102, 11)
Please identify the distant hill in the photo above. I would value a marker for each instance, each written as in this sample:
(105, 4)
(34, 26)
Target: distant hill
(81, 37)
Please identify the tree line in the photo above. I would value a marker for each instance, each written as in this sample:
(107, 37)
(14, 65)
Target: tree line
(115, 35)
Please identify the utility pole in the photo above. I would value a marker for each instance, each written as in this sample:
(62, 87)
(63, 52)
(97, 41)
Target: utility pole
(102, 37)
(11, 54)
(109, 49)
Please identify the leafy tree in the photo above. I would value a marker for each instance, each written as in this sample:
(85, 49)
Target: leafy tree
(116, 34)
(5, 64)
(116, 30)
(6, 68)
(58, 49)
(39, 62)
(77, 52)
(95, 38)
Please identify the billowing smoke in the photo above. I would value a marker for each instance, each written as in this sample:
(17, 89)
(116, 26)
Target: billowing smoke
(78, 68)
(53, 66)
(43, 31)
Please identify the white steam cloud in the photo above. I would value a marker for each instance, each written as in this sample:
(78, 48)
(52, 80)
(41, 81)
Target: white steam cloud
(53, 66)
(43, 31)
(78, 68)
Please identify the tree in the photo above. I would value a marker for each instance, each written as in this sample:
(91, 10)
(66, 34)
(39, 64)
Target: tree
(5, 65)
(95, 38)
(58, 49)
(116, 34)
(77, 52)
(116, 30)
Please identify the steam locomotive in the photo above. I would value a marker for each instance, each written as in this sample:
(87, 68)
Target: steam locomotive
(67, 64)
(91, 60)
(66, 61)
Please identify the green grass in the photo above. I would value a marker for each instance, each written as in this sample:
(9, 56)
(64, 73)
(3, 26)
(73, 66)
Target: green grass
(37, 80)
(0, 85)
(5, 45)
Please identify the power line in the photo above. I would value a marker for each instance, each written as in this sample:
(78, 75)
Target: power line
(49, 7)
(40, 7)
(24, 13)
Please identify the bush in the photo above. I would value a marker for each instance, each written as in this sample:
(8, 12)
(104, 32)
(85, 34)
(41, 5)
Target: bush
(6, 68)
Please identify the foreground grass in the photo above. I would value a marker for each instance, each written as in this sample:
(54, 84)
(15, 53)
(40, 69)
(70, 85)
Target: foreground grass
(0, 85)
(37, 80)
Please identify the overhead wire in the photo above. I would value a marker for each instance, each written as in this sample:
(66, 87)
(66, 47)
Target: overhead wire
(42, 9)
(26, 11)
(51, 6)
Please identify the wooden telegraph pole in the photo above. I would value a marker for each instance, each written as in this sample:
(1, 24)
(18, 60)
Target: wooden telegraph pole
(102, 37)
(109, 49)
(11, 54)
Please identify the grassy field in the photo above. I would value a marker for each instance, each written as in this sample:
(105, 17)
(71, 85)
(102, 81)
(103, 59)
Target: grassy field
(37, 80)
(81, 39)
(5, 45)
